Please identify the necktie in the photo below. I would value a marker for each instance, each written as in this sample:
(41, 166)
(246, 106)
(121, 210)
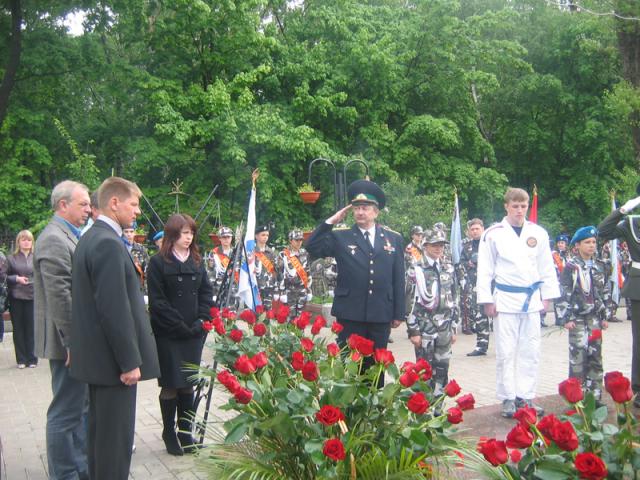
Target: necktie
(366, 237)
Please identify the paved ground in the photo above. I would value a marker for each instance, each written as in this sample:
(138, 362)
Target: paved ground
(25, 395)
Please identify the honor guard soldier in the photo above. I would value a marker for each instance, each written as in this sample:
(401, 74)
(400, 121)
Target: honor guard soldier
(217, 263)
(293, 269)
(560, 254)
(138, 253)
(413, 255)
(265, 267)
(467, 274)
(370, 288)
(516, 281)
(582, 310)
(619, 224)
(433, 320)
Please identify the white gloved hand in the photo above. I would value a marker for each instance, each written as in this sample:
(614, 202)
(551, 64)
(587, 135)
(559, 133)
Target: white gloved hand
(330, 293)
(309, 297)
(276, 298)
(283, 298)
(630, 205)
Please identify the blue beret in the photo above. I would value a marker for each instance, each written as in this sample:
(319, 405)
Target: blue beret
(563, 237)
(158, 235)
(583, 233)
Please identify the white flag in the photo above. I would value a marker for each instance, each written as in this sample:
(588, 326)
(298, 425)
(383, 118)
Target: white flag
(456, 233)
(615, 268)
(247, 285)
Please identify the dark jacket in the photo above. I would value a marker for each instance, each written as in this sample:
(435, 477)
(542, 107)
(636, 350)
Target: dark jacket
(616, 225)
(179, 296)
(370, 285)
(110, 329)
(22, 266)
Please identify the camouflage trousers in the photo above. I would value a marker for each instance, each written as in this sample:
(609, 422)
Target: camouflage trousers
(478, 322)
(585, 357)
(296, 300)
(437, 337)
(266, 297)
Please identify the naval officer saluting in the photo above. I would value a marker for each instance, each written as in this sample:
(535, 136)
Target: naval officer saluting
(369, 295)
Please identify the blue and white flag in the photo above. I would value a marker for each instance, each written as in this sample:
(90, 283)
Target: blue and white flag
(456, 233)
(615, 264)
(247, 285)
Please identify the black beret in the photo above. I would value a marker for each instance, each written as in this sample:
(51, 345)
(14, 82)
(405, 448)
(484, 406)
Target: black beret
(261, 228)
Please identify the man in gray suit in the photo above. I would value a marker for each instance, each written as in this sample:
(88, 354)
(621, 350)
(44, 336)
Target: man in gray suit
(112, 344)
(66, 416)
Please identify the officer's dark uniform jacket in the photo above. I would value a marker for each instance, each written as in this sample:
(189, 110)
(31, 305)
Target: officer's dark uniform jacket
(616, 226)
(371, 284)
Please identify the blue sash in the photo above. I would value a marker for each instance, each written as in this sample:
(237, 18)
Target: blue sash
(530, 290)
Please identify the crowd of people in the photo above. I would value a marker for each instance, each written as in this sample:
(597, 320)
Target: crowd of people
(107, 314)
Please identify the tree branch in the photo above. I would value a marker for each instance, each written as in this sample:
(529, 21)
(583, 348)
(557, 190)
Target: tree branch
(15, 47)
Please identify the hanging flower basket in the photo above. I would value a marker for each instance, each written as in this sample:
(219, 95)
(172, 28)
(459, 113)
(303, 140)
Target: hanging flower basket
(309, 197)
(139, 237)
(215, 239)
(306, 234)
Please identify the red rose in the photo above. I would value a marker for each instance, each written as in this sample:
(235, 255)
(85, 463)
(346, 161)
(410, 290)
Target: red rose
(334, 449)
(248, 316)
(333, 349)
(226, 313)
(328, 415)
(406, 366)
(515, 456)
(362, 345)
(260, 360)
(235, 335)
(418, 403)
(466, 402)
(214, 312)
(425, 367)
(207, 326)
(526, 416)
(494, 451)
(244, 365)
(307, 344)
(259, 329)
(320, 320)
(315, 329)
(520, 437)
(243, 395)
(302, 321)
(408, 378)
(219, 326)
(310, 371)
(259, 309)
(355, 356)
(452, 389)
(318, 324)
(590, 466)
(270, 314)
(282, 314)
(454, 415)
(384, 356)
(547, 424)
(618, 386)
(336, 327)
(229, 380)
(571, 390)
(297, 361)
(595, 335)
(565, 436)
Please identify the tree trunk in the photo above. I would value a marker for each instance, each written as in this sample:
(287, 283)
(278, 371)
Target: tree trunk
(11, 69)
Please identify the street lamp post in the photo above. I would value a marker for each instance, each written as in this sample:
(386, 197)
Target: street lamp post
(339, 179)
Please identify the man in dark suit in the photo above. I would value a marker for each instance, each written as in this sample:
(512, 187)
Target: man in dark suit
(112, 345)
(619, 225)
(67, 413)
(369, 295)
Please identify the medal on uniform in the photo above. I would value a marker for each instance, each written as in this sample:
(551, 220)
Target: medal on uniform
(389, 248)
(353, 249)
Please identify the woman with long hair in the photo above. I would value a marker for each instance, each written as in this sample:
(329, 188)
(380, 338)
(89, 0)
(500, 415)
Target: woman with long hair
(180, 297)
(20, 283)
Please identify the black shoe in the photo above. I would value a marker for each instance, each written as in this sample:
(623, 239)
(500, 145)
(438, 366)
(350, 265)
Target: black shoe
(168, 409)
(466, 331)
(390, 340)
(476, 353)
(520, 402)
(615, 320)
(508, 408)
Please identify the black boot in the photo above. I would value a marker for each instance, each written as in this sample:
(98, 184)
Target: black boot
(185, 422)
(168, 409)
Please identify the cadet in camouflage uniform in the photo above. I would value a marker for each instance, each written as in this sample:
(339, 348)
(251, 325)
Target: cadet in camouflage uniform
(582, 310)
(433, 319)
(265, 267)
(293, 271)
(413, 255)
(217, 262)
(139, 254)
(560, 254)
(467, 275)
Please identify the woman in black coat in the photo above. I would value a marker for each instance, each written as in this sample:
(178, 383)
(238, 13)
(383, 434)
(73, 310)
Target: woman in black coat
(180, 297)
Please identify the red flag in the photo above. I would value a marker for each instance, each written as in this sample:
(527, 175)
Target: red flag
(533, 214)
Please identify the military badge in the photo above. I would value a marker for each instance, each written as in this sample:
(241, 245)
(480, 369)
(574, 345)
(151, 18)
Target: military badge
(532, 242)
(352, 248)
(389, 248)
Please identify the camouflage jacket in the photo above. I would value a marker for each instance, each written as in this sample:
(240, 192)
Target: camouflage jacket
(266, 268)
(467, 269)
(585, 290)
(290, 277)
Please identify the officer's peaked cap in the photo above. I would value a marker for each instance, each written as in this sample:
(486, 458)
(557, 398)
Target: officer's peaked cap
(583, 233)
(363, 192)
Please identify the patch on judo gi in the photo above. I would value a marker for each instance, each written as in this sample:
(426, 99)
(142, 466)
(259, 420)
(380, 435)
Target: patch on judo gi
(532, 242)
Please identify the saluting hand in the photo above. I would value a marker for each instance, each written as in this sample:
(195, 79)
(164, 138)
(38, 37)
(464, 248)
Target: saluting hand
(339, 216)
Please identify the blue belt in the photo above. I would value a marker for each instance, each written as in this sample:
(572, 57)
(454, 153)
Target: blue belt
(530, 290)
